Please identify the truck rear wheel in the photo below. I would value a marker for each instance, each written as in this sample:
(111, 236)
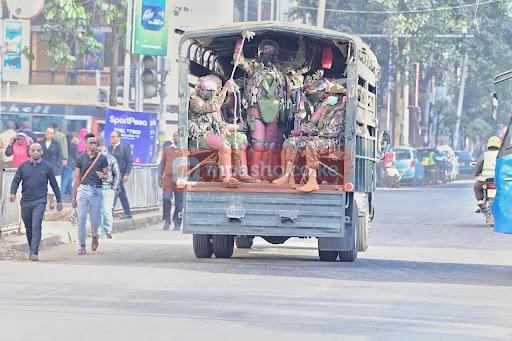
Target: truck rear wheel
(202, 245)
(352, 234)
(223, 245)
(328, 256)
(244, 242)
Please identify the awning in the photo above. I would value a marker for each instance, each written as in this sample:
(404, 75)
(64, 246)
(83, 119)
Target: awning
(46, 108)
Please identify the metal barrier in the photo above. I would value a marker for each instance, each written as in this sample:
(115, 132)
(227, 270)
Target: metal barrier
(10, 213)
(142, 188)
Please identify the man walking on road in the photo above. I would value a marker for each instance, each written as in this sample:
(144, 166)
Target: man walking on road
(123, 154)
(52, 154)
(91, 169)
(34, 176)
(110, 188)
(168, 176)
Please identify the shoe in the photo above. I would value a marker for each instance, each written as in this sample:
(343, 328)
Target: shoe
(167, 224)
(82, 250)
(34, 257)
(478, 209)
(176, 228)
(126, 217)
(109, 235)
(95, 243)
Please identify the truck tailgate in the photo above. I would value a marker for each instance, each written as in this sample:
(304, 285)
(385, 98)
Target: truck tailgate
(265, 214)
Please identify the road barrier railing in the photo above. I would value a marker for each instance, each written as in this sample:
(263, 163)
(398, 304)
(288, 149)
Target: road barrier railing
(10, 213)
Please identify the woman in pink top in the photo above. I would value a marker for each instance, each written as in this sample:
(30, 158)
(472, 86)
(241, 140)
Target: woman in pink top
(19, 149)
(81, 143)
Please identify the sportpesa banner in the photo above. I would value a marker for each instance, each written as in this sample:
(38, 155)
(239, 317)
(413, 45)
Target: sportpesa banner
(138, 129)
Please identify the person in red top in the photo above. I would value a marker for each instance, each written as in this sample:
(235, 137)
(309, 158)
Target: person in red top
(168, 173)
(18, 149)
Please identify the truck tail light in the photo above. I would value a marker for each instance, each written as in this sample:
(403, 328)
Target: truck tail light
(349, 187)
(491, 185)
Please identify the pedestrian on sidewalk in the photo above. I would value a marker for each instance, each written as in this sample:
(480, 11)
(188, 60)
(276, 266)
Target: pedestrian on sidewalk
(91, 169)
(110, 188)
(34, 176)
(19, 149)
(123, 154)
(52, 154)
(168, 174)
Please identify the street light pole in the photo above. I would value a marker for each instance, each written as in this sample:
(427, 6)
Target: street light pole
(461, 101)
(128, 55)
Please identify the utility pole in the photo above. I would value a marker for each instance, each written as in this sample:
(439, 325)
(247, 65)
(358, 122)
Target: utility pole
(461, 101)
(320, 13)
(128, 55)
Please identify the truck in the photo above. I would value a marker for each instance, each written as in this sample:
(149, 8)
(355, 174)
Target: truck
(338, 215)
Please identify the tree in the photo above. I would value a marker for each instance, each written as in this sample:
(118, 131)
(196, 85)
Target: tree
(413, 28)
(68, 31)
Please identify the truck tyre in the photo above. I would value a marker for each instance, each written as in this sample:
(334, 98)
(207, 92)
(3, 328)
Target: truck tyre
(351, 255)
(202, 245)
(328, 256)
(244, 242)
(362, 235)
(223, 245)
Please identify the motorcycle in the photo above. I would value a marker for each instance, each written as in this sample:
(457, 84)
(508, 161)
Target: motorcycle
(489, 196)
(391, 177)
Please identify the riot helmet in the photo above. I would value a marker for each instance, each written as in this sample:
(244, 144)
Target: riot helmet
(267, 52)
(208, 86)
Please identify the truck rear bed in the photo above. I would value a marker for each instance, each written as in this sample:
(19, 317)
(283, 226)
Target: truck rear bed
(264, 210)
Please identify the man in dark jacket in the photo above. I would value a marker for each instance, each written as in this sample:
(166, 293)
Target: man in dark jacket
(34, 176)
(123, 154)
(52, 154)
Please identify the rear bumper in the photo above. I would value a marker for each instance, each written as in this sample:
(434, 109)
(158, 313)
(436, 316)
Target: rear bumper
(265, 214)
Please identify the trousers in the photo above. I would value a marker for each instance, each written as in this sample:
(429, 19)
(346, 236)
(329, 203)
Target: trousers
(90, 200)
(32, 214)
(178, 207)
(106, 210)
(124, 199)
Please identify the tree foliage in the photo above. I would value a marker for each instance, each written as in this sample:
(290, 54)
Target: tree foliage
(415, 34)
(69, 31)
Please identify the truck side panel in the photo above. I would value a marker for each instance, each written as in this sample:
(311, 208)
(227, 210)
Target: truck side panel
(265, 214)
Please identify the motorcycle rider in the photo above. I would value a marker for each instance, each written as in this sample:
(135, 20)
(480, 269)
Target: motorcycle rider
(485, 169)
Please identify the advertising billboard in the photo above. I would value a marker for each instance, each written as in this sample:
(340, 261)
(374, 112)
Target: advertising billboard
(138, 129)
(13, 46)
(150, 27)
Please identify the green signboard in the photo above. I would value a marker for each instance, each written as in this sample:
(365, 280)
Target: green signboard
(150, 27)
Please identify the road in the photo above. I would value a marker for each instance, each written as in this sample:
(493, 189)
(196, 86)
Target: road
(433, 272)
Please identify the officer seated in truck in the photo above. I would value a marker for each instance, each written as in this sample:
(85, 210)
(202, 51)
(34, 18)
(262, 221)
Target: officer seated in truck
(320, 136)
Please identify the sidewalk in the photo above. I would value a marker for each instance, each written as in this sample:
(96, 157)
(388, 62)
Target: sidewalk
(58, 229)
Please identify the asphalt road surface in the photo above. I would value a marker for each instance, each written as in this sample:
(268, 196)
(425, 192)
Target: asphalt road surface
(433, 271)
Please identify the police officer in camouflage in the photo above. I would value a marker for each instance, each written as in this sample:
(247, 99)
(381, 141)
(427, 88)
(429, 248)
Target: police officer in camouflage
(209, 131)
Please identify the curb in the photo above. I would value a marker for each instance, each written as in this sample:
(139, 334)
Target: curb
(135, 223)
(46, 243)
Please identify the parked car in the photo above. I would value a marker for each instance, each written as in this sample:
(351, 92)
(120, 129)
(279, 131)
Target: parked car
(466, 162)
(451, 158)
(409, 166)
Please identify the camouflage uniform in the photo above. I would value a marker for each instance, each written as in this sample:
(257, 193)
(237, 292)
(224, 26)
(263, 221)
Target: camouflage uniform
(322, 135)
(208, 130)
(265, 98)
